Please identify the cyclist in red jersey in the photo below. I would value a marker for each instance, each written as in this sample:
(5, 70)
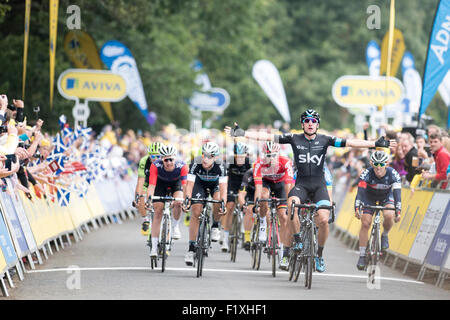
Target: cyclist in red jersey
(274, 173)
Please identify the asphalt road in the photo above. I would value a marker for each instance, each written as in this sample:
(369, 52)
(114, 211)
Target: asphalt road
(112, 263)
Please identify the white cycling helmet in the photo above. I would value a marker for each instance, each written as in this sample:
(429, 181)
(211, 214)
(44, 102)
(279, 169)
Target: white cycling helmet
(379, 157)
(211, 148)
(167, 151)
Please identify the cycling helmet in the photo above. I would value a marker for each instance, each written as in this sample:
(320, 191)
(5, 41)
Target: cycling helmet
(310, 113)
(271, 147)
(240, 148)
(211, 148)
(167, 150)
(379, 157)
(153, 148)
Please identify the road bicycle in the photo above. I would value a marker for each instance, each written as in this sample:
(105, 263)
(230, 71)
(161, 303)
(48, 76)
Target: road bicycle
(204, 232)
(165, 234)
(305, 259)
(273, 240)
(373, 248)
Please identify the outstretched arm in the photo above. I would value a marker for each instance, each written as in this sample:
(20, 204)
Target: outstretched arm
(358, 143)
(238, 132)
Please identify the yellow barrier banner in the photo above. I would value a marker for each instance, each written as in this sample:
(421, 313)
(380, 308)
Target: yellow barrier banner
(93, 203)
(36, 223)
(402, 237)
(78, 211)
(346, 213)
(3, 264)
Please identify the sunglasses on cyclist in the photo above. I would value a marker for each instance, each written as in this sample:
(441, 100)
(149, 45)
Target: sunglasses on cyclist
(168, 160)
(271, 155)
(155, 156)
(310, 119)
(208, 156)
(379, 164)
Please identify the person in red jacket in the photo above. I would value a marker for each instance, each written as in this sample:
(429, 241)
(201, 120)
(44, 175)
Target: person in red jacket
(441, 158)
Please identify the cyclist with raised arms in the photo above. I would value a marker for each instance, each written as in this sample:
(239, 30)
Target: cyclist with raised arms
(382, 184)
(142, 184)
(310, 149)
(167, 177)
(205, 172)
(236, 170)
(274, 174)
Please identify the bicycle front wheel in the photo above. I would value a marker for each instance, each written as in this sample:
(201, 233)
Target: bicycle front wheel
(234, 238)
(274, 244)
(309, 258)
(201, 247)
(163, 244)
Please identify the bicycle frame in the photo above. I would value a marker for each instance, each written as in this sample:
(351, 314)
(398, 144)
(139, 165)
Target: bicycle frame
(273, 243)
(373, 248)
(204, 233)
(165, 234)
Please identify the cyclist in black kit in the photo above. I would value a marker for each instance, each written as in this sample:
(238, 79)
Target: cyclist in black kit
(205, 172)
(236, 170)
(377, 183)
(310, 149)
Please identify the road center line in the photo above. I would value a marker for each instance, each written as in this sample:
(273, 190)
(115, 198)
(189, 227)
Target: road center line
(211, 270)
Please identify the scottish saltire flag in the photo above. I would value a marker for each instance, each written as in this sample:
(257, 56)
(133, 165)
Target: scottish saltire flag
(63, 196)
(438, 55)
(60, 147)
(62, 121)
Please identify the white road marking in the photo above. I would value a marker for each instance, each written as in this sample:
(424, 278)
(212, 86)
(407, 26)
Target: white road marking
(214, 270)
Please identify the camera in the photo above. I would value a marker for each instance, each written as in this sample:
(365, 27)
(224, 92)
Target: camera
(3, 129)
(10, 159)
(36, 109)
(12, 107)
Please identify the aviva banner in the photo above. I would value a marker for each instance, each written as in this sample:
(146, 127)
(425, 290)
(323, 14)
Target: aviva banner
(92, 85)
(354, 91)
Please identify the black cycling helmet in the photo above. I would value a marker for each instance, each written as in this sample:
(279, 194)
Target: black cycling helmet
(310, 113)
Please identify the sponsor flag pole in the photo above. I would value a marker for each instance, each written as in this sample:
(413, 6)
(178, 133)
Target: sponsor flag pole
(53, 23)
(25, 45)
(390, 42)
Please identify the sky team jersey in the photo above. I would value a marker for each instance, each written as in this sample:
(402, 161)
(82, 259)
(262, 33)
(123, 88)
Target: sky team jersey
(370, 186)
(216, 173)
(309, 155)
(235, 172)
(157, 171)
(282, 171)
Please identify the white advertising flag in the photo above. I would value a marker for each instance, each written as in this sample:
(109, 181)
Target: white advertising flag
(268, 77)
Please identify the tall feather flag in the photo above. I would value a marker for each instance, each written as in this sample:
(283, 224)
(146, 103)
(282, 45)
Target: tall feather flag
(25, 44)
(437, 63)
(53, 23)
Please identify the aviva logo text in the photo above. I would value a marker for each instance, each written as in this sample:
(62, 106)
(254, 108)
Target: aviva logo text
(93, 85)
(357, 91)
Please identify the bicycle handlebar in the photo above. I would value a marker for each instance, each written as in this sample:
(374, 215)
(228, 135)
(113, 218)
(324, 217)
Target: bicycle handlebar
(167, 198)
(314, 206)
(378, 208)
